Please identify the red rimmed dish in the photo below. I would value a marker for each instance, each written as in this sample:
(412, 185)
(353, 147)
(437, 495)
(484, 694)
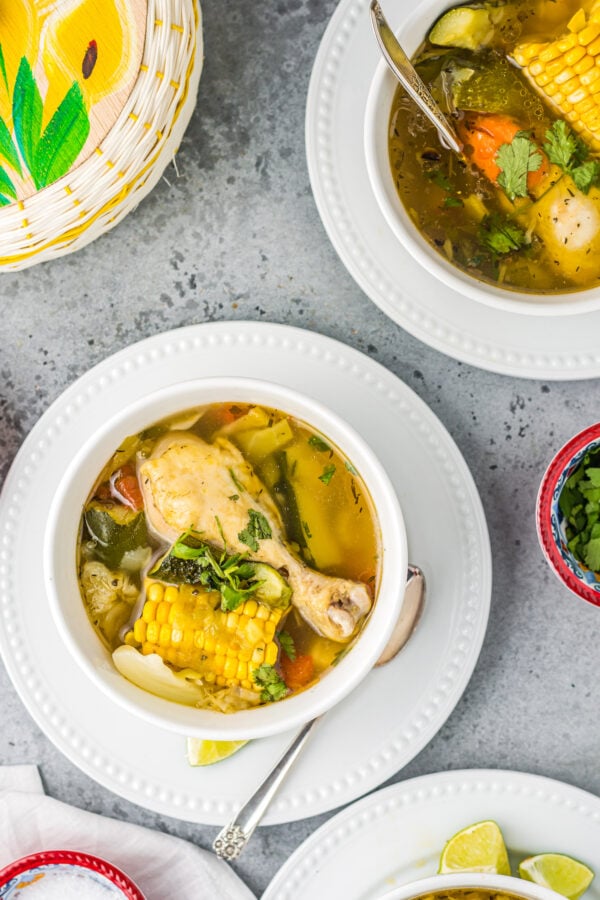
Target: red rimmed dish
(551, 523)
(65, 873)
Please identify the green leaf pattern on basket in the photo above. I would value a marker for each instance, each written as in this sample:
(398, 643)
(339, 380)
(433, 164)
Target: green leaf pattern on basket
(27, 115)
(45, 156)
(61, 142)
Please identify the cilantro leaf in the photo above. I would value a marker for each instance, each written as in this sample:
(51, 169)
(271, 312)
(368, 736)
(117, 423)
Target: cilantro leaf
(451, 202)
(318, 443)
(287, 644)
(272, 684)
(501, 235)
(327, 473)
(516, 160)
(439, 179)
(570, 154)
(256, 530)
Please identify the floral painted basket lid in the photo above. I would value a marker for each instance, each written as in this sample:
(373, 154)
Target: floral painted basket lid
(95, 96)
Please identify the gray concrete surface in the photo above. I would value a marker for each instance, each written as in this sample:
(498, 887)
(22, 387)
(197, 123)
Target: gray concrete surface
(236, 235)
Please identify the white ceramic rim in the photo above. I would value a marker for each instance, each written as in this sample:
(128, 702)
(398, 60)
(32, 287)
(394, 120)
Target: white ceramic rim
(72, 621)
(410, 34)
(457, 881)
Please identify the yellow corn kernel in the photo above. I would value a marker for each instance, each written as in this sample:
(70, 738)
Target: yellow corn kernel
(242, 670)
(566, 43)
(131, 639)
(187, 639)
(551, 52)
(232, 620)
(152, 632)
(220, 648)
(245, 654)
(149, 611)
(221, 680)
(584, 65)
(262, 612)
(250, 608)
(155, 592)
(247, 684)
(210, 677)
(269, 630)
(162, 612)
(271, 654)
(176, 636)
(164, 635)
(219, 665)
(577, 22)
(230, 667)
(147, 648)
(171, 594)
(199, 639)
(577, 96)
(139, 630)
(588, 34)
(258, 654)
(574, 55)
(209, 643)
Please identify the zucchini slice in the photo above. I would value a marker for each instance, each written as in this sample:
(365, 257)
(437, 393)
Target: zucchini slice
(464, 26)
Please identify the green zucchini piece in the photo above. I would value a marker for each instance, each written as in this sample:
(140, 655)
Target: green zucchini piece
(464, 26)
(116, 529)
(274, 590)
(494, 87)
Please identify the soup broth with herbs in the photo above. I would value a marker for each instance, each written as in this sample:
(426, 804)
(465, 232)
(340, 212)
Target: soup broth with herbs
(521, 83)
(228, 556)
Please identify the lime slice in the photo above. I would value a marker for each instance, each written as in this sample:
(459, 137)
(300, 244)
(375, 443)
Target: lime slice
(205, 753)
(478, 848)
(560, 873)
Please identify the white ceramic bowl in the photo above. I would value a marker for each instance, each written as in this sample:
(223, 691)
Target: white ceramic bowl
(411, 30)
(86, 647)
(504, 884)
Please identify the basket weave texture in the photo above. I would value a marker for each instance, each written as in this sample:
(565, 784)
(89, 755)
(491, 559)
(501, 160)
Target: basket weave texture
(95, 195)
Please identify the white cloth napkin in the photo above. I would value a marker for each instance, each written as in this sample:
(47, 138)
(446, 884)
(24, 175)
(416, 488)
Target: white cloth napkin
(163, 867)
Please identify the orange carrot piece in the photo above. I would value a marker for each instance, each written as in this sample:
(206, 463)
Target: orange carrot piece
(126, 485)
(484, 135)
(297, 672)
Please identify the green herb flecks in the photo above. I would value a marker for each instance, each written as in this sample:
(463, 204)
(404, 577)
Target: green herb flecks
(236, 481)
(350, 467)
(256, 530)
(501, 236)
(571, 155)
(273, 686)
(327, 473)
(516, 160)
(453, 202)
(579, 503)
(193, 561)
(318, 443)
(287, 644)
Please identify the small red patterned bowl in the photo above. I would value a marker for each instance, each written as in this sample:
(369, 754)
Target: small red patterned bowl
(551, 524)
(65, 874)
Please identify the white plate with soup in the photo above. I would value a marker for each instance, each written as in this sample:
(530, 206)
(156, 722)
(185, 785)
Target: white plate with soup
(398, 275)
(395, 836)
(359, 744)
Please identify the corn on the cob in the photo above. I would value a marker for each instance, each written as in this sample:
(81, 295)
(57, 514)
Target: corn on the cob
(567, 73)
(181, 625)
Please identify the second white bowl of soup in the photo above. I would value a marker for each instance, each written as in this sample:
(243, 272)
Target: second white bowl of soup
(533, 245)
(226, 558)
(471, 886)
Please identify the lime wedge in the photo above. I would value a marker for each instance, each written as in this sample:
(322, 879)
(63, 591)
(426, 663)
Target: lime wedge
(560, 873)
(478, 848)
(205, 753)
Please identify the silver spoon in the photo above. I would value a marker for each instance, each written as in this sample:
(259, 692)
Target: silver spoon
(232, 839)
(405, 72)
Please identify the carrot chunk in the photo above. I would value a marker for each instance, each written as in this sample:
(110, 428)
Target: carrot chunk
(484, 135)
(297, 672)
(127, 487)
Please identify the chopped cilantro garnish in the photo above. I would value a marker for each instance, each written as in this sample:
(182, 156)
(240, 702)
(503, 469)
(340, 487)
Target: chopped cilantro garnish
(220, 530)
(318, 443)
(327, 473)
(234, 497)
(307, 529)
(579, 502)
(451, 202)
(287, 644)
(439, 179)
(272, 684)
(570, 154)
(256, 530)
(236, 481)
(501, 235)
(516, 160)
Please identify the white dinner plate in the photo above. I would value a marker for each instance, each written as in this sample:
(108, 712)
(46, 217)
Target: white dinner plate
(391, 715)
(549, 347)
(396, 835)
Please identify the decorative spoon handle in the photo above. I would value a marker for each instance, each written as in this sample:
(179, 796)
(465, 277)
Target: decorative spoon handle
(232, 839)
(404, 71)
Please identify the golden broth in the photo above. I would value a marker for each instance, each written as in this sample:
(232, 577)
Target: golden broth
(328, 518)
(449, 201)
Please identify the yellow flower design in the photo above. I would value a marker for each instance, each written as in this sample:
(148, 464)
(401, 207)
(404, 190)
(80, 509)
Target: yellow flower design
(18, 37)
(88, 41)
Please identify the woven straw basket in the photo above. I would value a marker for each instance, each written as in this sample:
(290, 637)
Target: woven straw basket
(114, 175)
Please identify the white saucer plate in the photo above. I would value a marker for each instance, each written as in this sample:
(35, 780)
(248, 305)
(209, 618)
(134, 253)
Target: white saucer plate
(396, 835)
(545, 347)
(392, 714)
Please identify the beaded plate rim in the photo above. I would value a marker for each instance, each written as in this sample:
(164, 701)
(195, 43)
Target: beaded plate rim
(471, 618)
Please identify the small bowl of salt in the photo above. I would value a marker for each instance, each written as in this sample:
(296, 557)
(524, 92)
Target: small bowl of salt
(65, 875)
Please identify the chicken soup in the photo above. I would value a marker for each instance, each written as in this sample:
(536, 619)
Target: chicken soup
(228, 556)
(519, 80)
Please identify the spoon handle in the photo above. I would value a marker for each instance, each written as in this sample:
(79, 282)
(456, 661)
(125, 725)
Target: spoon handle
(405, 72)
(232, 839)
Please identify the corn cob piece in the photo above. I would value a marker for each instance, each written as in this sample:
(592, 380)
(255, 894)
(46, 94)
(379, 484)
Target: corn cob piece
(566, 72)
(181, 624)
